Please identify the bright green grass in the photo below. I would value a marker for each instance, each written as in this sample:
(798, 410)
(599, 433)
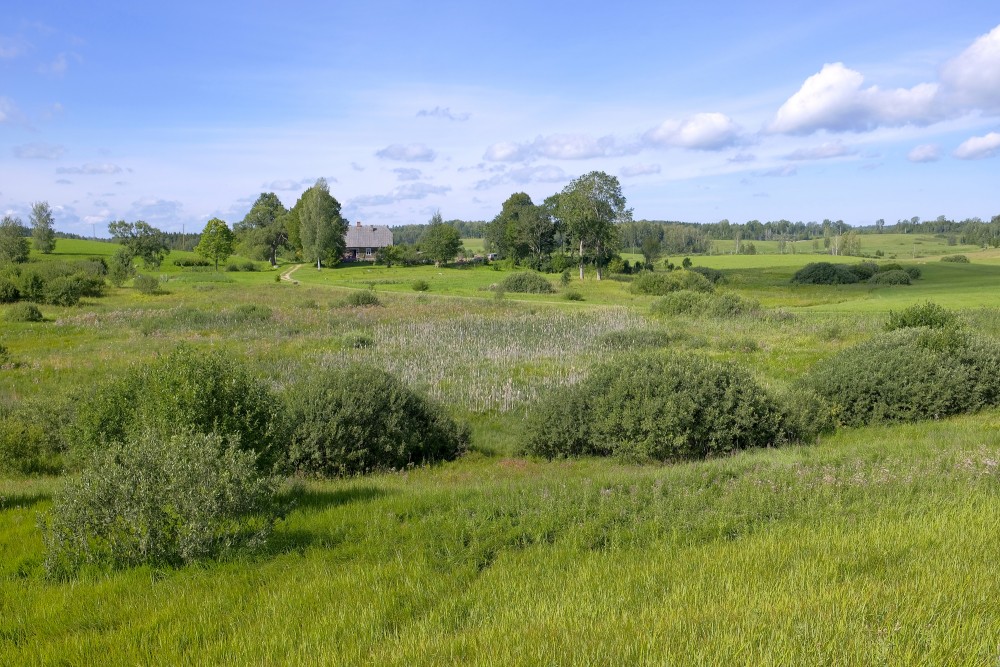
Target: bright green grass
(874, 547)
(895, 246)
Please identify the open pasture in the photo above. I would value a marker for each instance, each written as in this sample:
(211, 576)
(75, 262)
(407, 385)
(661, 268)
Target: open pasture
(871, 545)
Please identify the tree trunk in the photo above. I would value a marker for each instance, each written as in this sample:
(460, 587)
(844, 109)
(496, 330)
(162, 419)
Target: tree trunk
(597, 260)
(581, 259)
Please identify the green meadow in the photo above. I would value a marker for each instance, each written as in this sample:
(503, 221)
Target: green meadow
(873, 545)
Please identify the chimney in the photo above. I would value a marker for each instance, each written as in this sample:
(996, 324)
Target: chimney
(359, 224)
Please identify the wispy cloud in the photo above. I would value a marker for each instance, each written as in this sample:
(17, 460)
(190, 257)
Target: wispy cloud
(640, 170)
(401, 193)
(91, 169)
(830, 149)
(404, 174)
(288, 185)
(407, 153)
(525, 176)
(924, 153)
(446, 113)
(560, 147)
(39, 151)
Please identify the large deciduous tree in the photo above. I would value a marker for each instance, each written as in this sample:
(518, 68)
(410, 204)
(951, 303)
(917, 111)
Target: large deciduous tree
(590, 207)
(263, 231)
(142, 240)
(13, 246)
(216, 242)
(320, 225)
(440, 241)
(43, 232)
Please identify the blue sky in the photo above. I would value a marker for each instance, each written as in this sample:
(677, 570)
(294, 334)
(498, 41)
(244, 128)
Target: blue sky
(177, 112)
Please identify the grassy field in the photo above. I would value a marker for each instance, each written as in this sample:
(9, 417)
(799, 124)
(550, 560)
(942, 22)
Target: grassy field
(871, 546)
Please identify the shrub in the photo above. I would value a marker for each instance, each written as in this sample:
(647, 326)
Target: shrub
(715, 276)
(247, 313)
(24, 312)
(863, 270)
(891, 266)
(9, 292)
(914, 272)
(890, 278)
(909, 374)
(731, 305)
(572, 295)
(665, 283)
(659, 408)
(824, 273)
(205, 391)
(527, 282)
(683, 302)
(188, 262)
(159, 500)
(957, 259)
(420, 285)
(362, 298)
(64, 291)
(27, 447)
(359, 419)
(146, 284)
(921, 315)
(32, 286)
(120, 267)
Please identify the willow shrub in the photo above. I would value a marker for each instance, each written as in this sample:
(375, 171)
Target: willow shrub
(190, 389)
(661, 408)
(909, 374)
(360, 419)
(160, 500)
(660, 284)
(527, 282)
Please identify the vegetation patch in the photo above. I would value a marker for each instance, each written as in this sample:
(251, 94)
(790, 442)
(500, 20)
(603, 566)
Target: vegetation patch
(825, 273)
(362, 299)
(526, 282)
(894, 277)
(23, 312)
(927, 314)
(660, 284)
(955, 259)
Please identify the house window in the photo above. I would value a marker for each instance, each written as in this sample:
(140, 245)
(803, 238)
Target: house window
(368, 252)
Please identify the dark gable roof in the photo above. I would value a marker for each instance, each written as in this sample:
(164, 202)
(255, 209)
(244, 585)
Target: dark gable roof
(368, 236)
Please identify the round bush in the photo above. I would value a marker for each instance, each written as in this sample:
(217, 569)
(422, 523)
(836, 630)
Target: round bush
(527, 282)
(864, 270)
(890, 278)
(64, 291)
(363, 298)
(146, 284)
(24, 312)
(9, 292)
(197, 389)
(661, 284)
(360, 419)
(914, 272)
(683, 302)
(890, 266)
(824, 273)
(657, 408)
(927, 314)
(162, 501)
(572, 295)
(909, 374)
(714, 275)
(957, 259)
(420, 285)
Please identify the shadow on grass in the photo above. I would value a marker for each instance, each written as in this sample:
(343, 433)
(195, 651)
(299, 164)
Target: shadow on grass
(296, 538)
(22, 501)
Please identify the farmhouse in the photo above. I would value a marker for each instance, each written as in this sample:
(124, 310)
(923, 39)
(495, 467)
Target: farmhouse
(362, 241)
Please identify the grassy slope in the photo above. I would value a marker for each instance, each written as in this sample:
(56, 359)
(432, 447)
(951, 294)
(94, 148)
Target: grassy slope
(875, 545)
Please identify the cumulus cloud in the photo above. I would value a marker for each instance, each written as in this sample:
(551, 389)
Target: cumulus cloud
(825, 151)
(401, 193)
(446, 113)
(835, 99)
(405, 174)
(640, 170)
(560, 147)
(973, 77)
(525, 176)
(924, 153)
(407, 153)
(978, 148)
(91, 169)
(702, 131)
(39, 151)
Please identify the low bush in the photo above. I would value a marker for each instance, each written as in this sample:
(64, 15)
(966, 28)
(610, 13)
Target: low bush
(660, 284)
(824, 273)
(715, 276)
(189, 262)
(146, 284)
(527, 282)
(660, 408)
(9, 291)
(359, 419)
(420, 285)
(956, 259)
(27, 447)
(909, 374)
(64, 291)
(731, 305)
(572, 295)
(362, 299)
(247, 313)
(890, 278)
(159, 500)
(201, 390)
(24, 312)
(890, 266)
(686, 302)
(914, 272)
(863, 270)
(927, 314)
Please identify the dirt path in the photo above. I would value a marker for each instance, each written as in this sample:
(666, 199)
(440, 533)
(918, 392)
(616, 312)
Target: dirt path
(287, 275)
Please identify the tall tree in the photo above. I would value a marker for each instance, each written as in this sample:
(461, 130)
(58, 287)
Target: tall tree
(216, 242)
(590, 207)
(263, 231)
(43, 231)
(13, 246)
(502, 233)
(321, 227)
(440, 241)
(142, 239)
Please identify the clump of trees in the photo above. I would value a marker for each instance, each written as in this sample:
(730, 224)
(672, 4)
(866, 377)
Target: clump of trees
(664, 283)
(826, 273)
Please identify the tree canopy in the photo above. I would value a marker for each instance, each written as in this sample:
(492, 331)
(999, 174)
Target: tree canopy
(263, 231)
(321, 228)
(142, 239)
(440, 241)
(590, 207)
(13, 246)
(43, 231)
(216, 242)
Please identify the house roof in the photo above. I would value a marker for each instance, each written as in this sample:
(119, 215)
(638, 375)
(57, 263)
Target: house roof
(368, 236)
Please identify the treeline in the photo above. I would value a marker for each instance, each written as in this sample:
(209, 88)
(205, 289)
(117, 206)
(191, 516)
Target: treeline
(410, 234)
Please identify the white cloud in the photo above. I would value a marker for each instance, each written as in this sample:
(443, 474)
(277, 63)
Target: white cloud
(924, 153)
(834, 99)
(781, 172)
(8, 112)
(560, 147)
(978, 148)
(405, 174)
(91, 169)
(973, 77)
(741, 158)
(289, 185)
(702, 131)
(446, 113)
(525, 176)
(825, 151)
(507, 151)
(640, 170)
(401, 193)
(407, 153)
(39, 151)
